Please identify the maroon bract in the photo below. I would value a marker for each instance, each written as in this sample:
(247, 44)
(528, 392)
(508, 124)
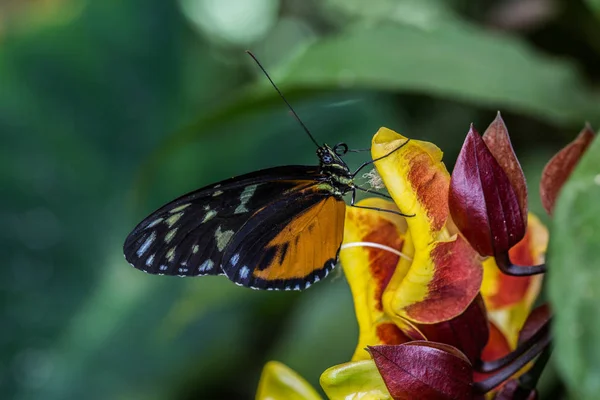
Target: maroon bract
(498, 142)
(511, 391)
(483, 202)
(424, 370)
(536, 319)
(469, 332)
(560, 166)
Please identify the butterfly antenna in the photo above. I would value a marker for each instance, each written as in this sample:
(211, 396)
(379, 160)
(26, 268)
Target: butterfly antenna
(283, 97)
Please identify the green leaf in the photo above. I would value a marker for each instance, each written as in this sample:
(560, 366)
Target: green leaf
(256, 121)
(449, 59)
(321, 331)
(354, 380)
(135, 332)
(419, 13)
(594, 5)
(574, 277)
(279, 382)
(455, 61)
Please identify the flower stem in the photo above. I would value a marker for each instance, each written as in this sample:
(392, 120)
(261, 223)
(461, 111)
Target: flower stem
(507, 267)
(534, 342)
(529, 380)
(516, 364)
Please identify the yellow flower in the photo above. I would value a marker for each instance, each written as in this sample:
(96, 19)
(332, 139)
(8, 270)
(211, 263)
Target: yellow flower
(419, 288)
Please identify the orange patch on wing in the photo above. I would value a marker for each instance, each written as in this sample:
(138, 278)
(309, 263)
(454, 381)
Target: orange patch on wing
(431, 188)
(312, 238)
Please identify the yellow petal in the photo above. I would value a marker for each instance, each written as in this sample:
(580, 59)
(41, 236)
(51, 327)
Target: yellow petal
(509, 299)
(279, 382)
(418, 181)
(368, 267)
(445, 274)
(442, 281)
(356, 380)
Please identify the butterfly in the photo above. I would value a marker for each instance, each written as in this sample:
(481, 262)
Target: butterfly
(275, 229)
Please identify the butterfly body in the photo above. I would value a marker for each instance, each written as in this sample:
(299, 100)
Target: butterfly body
(277, 229)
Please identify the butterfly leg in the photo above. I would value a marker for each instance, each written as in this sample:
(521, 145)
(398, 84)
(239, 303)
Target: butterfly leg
(353, 201)
(385, 196)
(366, 163)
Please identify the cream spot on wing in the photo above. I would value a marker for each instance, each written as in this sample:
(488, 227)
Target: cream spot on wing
(171, 254)
(244, 272)
(209, 215)
(195, 249)
(170, 235)
(180, 208)
(146, 244)
(154, 223)
(173, 219)
(241, 209)
(222, 238)
(245, 198)
(150, 260)
(206, 207)
(217, 193)
(206, 266)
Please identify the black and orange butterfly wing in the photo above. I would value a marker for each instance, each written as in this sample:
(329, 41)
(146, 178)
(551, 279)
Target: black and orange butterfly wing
(290, 244)
(187, 236)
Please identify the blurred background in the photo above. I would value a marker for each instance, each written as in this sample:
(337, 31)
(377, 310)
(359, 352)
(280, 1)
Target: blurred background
(110, 108)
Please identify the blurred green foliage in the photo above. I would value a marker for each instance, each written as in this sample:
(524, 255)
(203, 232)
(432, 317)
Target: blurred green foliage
(110, 108)
(573, 282)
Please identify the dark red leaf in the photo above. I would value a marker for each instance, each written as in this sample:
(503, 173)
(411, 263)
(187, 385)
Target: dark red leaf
(536, 319)
(424, 370)
(498, 142)
(483, 203)
(468, 332)
(558, 169)
(509, 391)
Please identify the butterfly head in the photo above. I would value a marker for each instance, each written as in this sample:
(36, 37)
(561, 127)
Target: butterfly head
(331, 158)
